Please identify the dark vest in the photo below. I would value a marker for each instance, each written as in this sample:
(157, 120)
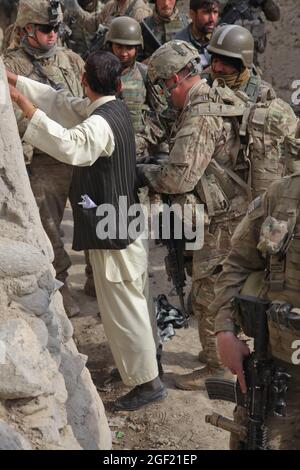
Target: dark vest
(104, 182)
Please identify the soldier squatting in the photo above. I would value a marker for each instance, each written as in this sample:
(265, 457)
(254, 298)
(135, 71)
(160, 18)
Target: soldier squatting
(188, 86)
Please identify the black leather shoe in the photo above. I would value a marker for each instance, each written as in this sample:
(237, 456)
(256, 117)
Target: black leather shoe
(139, 397)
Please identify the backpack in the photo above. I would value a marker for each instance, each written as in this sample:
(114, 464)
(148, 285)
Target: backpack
(263, 127)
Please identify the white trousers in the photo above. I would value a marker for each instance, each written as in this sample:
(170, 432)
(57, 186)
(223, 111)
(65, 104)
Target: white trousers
(120, 287)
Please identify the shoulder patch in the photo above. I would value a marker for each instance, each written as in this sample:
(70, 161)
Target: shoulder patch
(254, 204)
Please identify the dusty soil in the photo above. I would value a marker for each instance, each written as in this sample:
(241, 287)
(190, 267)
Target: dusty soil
(178, 422)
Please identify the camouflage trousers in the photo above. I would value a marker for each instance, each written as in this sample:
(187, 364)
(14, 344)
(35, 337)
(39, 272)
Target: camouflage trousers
(202, 296)
(284, 431)
(50, 183)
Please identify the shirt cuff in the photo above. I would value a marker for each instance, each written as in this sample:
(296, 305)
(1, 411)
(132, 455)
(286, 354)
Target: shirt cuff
(33, 127)
(223, 322)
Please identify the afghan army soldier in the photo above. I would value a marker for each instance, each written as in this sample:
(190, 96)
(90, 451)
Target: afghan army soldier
(137, 9)
(232, 49)
(123, 39)
(165, 22)
(264, 262)
(204, 15)
(251, 14)
(199, 168)
(38, 57)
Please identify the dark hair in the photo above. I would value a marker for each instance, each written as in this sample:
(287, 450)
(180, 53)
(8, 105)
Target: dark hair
(197, 4)
(103, 72)
(234, 62)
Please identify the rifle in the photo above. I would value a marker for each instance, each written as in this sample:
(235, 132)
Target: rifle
(266, 383)
(235, 11)
(98, 40)
(174, 260)
(149, 37)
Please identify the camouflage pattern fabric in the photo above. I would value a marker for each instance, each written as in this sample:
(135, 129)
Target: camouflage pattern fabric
(244, 261)
(80, 40)
(165, 29)
(111, 10)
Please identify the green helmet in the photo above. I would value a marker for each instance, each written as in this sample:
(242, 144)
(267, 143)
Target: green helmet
(125, 30)
(39, 12)
(233, 41)
(172, 57)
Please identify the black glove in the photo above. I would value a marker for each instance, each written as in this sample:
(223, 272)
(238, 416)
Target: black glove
(154, 159)
(140, 179)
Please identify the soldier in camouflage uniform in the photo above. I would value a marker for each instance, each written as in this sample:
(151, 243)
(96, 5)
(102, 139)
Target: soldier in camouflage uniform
(38, 57)
(137, 9)
(204, 15)
(251, 14)
(123, 39)
(263, 264)
(80, 40)
(165, 22)
(199, 167)
(8, 13)
(232, 62)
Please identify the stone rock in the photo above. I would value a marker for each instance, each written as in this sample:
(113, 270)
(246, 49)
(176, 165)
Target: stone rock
(10, 439)
(18, 259)
(84, 407)
(56, 407)
(28, 369)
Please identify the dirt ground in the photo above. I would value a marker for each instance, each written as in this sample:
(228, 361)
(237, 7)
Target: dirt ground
(178, 422)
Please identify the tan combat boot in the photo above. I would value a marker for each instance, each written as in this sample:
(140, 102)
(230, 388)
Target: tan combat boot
(71, 306)
(196, 379)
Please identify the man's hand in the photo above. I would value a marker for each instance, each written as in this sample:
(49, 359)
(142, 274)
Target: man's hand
(232, 352)
(24, 103)
(72, 6)
(11, 77)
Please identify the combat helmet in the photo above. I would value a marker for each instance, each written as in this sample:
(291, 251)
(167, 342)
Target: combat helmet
(125, 30)
(172, 57)
(233, 41)
(39, 12)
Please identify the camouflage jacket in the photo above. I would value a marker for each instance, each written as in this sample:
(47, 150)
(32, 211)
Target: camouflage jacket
(80, 40)
(264, 257)
(139, 10)
(134, 93)
(186, 35)
(201, 163)
(64, 69)
(165, 29)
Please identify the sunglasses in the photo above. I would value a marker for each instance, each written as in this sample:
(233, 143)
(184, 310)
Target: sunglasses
(47, 28)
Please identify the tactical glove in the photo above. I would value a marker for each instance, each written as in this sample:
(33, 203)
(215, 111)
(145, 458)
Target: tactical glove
(140, 180)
